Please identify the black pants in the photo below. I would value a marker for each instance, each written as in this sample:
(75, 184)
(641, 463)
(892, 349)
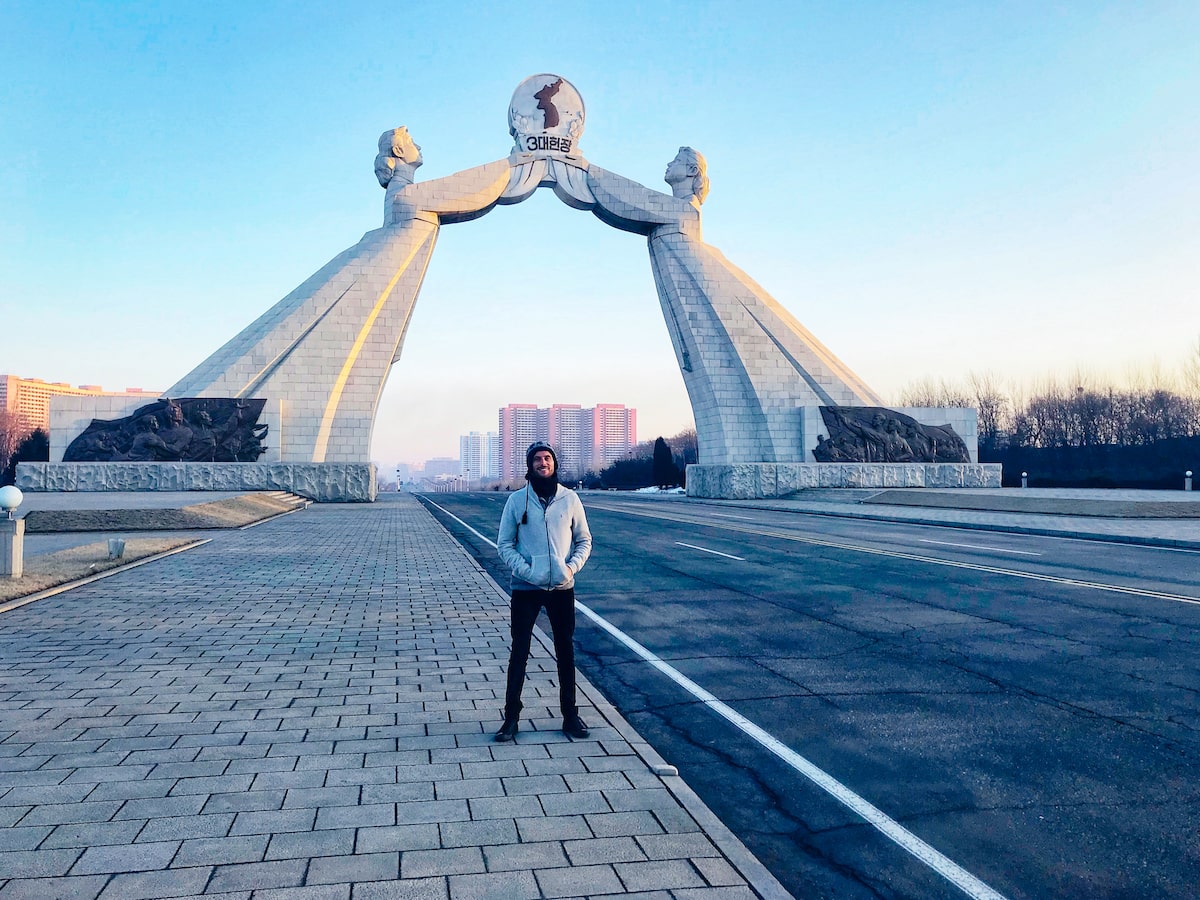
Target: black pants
(560, 609)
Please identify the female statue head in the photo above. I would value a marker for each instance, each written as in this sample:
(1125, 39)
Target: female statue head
(398, 155)
(687, 174)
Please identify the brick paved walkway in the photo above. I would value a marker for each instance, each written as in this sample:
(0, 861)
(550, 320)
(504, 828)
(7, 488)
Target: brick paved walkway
(303, 711)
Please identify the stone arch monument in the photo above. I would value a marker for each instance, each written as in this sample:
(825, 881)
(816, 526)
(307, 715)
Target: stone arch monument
(755, 376)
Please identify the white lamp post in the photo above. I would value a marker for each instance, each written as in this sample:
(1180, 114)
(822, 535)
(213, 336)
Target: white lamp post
(12, 534)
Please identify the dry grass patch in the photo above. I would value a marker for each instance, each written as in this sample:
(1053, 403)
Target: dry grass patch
(232, 512)
(237, 511)
(53, 569)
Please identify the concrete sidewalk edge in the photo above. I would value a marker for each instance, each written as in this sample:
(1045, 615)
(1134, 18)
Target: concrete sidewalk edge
(287, 512)
(80, 582)
(757, 876)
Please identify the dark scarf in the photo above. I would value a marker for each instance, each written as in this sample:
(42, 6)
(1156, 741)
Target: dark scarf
(545, 488)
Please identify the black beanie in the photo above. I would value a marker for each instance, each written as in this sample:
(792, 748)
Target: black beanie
(534, 448)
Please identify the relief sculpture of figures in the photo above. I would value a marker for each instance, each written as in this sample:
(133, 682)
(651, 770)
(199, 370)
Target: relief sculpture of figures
(186, 430)
(875, 434)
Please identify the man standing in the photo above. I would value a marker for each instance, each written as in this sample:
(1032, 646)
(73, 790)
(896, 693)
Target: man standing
(544, 541)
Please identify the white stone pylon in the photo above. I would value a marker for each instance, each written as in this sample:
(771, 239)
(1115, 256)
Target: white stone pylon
(748, 365)
(326, 348)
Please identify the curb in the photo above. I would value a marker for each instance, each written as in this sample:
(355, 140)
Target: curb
(757, 876)
(274, 516)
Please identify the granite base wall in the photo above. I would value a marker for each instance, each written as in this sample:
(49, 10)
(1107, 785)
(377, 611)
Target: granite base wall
(322, 482)
(757, 481)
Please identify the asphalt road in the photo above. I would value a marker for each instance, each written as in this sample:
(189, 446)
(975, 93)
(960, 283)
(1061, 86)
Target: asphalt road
(1027, 707)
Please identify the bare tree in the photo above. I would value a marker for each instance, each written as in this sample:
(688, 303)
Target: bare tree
(1191, 371)
(928, 392)
(14, 428)
(1081, 410)
(685, 447)
(994, 409)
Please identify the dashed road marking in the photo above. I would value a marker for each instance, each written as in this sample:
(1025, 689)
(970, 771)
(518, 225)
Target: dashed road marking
(914, 557)
(979, 547)
(713, 552)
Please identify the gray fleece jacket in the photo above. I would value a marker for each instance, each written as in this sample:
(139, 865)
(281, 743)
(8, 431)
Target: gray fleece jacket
(551, 547)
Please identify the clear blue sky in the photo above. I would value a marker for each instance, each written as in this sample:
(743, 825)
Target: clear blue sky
(931, 188)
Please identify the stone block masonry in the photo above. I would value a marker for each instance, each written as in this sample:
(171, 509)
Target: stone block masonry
(759, 481)
(305, 710)
(323, 482)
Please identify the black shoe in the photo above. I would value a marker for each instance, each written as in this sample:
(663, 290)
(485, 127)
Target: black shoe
(508, 731)
(573, 727)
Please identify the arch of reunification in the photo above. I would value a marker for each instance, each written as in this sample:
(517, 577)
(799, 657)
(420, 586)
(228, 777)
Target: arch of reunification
(756, 378)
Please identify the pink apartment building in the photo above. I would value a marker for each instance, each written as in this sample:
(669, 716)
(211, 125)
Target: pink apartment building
(584, 439)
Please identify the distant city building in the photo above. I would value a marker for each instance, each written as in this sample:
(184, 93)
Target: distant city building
(493, 455)
(441, 465)
(520, 426)
(30, 397)
(567, 432)
(479, 455)
(404, 472)
(584, 439)
(613, 433)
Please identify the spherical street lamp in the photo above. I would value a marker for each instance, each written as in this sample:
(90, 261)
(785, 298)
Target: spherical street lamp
(10, 499)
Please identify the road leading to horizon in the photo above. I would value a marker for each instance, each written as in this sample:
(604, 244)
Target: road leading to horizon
(1024, 706)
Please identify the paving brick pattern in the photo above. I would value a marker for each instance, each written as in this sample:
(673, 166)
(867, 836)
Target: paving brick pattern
(303, 711)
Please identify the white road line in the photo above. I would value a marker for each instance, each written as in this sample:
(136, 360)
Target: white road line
(713, 552)
(889, 827)
(977, 547)
(727, 516)
(930, 560)
(461, 522)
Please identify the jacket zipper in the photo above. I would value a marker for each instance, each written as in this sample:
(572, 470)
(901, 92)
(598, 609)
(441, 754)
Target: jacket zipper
(549, 546)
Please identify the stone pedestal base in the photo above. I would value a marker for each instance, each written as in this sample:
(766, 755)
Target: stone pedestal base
(12, 547)
(755, 481)
(323, 482)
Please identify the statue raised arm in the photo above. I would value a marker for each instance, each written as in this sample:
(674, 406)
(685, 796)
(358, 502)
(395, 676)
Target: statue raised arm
(630, 206)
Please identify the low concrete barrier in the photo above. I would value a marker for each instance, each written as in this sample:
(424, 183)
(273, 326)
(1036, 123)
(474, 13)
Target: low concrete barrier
(753, 481)
(323, 482)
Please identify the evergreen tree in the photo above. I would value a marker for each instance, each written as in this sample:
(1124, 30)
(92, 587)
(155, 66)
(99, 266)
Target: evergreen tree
(665, 472)
(35, 447)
